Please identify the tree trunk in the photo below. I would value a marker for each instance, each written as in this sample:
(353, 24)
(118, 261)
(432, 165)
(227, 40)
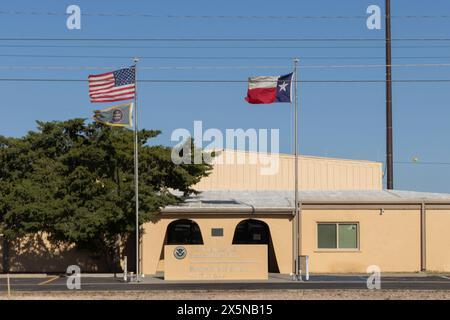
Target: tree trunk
(5, 258)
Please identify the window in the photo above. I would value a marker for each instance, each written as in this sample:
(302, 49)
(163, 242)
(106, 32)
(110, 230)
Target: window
(348, 236)
(337, 236)
(327, 236)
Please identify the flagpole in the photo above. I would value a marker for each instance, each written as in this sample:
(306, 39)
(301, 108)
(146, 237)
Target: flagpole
(136, 170)
(296, 220)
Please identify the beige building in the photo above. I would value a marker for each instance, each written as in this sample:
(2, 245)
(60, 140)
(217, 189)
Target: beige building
(348, 222)
(341, 231)
(238, 170)
(241, 225)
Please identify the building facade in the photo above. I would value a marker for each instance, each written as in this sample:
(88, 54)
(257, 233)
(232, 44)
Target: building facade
(341, 231)
(347, 223)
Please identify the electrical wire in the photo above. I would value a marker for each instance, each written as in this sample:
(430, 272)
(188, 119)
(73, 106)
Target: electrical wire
(209, 17)
(443, 39)
(217, 57)
(423, 163)
(218, 47)
(144, 68)
(231, 81)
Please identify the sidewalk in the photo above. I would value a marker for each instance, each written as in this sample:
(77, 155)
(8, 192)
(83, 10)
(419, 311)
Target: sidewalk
(273, 277)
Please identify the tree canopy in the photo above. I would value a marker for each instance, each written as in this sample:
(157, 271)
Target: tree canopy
(75, 181)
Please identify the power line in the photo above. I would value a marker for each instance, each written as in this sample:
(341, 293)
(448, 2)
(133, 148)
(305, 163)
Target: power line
(231, 81)
(416, 65)
(218, 47)
(209, 17)
(217, 57)
(144, 68)
(423, 163)
(227, 39)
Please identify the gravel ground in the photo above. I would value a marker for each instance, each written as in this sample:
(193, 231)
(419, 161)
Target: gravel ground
(236, 295)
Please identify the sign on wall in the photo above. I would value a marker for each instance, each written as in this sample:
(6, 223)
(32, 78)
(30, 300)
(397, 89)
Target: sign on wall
(203, 262)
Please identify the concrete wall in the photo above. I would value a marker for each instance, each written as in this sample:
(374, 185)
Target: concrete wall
(390, 240)
(438, 240)
(315, 173)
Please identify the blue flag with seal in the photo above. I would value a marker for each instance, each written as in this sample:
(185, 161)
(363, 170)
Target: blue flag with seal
(118, 116)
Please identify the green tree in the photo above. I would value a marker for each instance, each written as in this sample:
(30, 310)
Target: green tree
(75, 181)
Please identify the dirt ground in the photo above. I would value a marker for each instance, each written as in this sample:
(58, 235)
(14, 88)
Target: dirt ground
(235, 295)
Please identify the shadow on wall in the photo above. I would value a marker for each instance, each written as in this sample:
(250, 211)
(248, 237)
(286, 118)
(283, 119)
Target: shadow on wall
(253, 231)
(36, 254)
(129, 251)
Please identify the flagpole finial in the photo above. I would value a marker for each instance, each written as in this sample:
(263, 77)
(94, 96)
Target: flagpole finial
(296, 60)
(135, 59)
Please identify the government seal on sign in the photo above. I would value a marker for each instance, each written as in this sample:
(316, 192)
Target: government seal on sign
(180, 252)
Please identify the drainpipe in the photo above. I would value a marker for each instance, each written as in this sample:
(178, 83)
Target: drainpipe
(423, 238)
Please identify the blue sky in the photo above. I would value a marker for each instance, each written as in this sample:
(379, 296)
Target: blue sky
(336, 120)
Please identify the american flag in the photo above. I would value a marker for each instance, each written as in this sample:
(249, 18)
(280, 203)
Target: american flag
(113, 86)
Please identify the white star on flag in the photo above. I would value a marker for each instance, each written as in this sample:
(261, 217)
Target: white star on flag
(283, 86)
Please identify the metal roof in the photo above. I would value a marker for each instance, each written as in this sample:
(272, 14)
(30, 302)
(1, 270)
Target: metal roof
(235, 200)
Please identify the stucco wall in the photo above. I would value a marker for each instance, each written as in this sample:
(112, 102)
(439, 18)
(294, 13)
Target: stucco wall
(153, 238)
(35, 254)
(390, 240)
(438, 240)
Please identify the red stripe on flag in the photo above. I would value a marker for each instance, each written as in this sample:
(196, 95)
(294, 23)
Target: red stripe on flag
(103, 87)
(128, 97)
(261, 95)
(116, 91)
(92, 76)
(111, 89)
(108, 95)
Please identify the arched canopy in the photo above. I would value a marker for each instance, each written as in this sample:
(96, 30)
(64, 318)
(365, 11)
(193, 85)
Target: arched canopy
(184, 231)
(251, 232)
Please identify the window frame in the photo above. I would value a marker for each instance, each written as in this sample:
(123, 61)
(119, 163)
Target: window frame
(217, 232)
(337, 249)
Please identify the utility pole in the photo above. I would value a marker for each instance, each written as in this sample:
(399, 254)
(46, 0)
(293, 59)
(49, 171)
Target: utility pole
(389, 138)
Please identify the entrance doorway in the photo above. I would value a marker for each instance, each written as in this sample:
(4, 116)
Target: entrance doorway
(253, 231)
(184, 231)
(180, 232)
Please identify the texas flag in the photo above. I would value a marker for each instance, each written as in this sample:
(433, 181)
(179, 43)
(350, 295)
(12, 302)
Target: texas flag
(265, 90)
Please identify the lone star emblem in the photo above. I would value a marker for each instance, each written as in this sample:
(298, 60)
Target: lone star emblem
(283, 86)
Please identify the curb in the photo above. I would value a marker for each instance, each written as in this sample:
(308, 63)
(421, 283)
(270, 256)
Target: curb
(23, 275)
